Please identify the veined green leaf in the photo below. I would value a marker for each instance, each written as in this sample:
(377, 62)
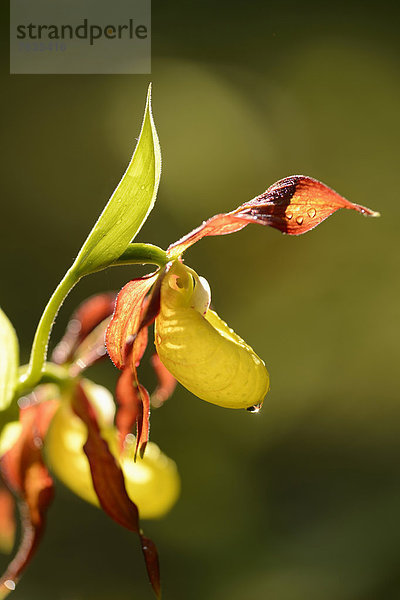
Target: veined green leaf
(129, 205)
(9, 359)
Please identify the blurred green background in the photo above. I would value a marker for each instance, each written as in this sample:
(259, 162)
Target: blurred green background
(302, 501)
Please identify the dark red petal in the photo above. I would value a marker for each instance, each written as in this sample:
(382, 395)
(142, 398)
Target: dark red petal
(151, 306)
(150, 554)
(126, 318)
(27, 477)
(297, 204)
(217, 225)
(293, 205)
(143, 421)
(90, 314)
(132, 398)
(133, 407)
(139, 346)
(150, 310)
(108, 482)
(128, 401)
(166, 382)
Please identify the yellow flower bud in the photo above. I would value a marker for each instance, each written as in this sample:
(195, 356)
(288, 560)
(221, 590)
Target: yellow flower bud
(152, 483)
(200, 350)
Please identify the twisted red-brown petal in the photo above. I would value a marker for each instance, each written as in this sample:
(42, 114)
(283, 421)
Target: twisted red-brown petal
(26, 475)
(127, 338)
(149, 312)
(151, 306)
(293, 205)
(217, 225)
(166, 382)
(86, 318)
(133, 407)
(128, 403)
(143, 421)
(108, 482)
(126, 318)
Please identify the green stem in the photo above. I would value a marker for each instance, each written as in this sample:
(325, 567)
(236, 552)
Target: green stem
(141, 254)
(41, 339)
(134, 254)
(50, 373)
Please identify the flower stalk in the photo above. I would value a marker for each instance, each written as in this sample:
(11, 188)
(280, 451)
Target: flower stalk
(135, 254)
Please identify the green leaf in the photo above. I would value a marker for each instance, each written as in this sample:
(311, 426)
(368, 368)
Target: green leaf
(130, 204)
(9, 361)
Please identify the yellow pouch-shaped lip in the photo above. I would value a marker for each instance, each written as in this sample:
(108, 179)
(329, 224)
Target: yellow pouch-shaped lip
(201, 351)
(153, 483)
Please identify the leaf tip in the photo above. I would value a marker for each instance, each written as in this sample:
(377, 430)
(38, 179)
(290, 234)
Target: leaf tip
(364, 210)
(148, 99)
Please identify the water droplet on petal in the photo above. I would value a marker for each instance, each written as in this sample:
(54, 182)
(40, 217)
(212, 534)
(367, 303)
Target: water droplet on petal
(289, 215)
(311, 212)
(9, 584)
(299, 220)
(255, 409)
(158, 339)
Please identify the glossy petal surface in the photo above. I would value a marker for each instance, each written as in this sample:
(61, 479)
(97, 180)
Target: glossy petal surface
(202, 352)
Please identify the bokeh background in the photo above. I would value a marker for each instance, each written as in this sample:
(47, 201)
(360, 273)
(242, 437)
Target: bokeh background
(301, 501)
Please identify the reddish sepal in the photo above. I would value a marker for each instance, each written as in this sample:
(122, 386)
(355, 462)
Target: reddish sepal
(27, 477)
(108, 482)
(143, 421)
(297, 204)
(218, 225)
(128, 401)
(151, 306)
(126, 318)
(133, 407)
(150, 553)
(130, 322)
(293, 205)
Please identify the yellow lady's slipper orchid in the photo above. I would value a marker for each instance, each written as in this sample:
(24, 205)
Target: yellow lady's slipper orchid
(200, 350)
(153, 483)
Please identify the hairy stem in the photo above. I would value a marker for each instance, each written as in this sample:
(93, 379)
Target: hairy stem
(134, 254)
(41, 339)
(140, 254)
